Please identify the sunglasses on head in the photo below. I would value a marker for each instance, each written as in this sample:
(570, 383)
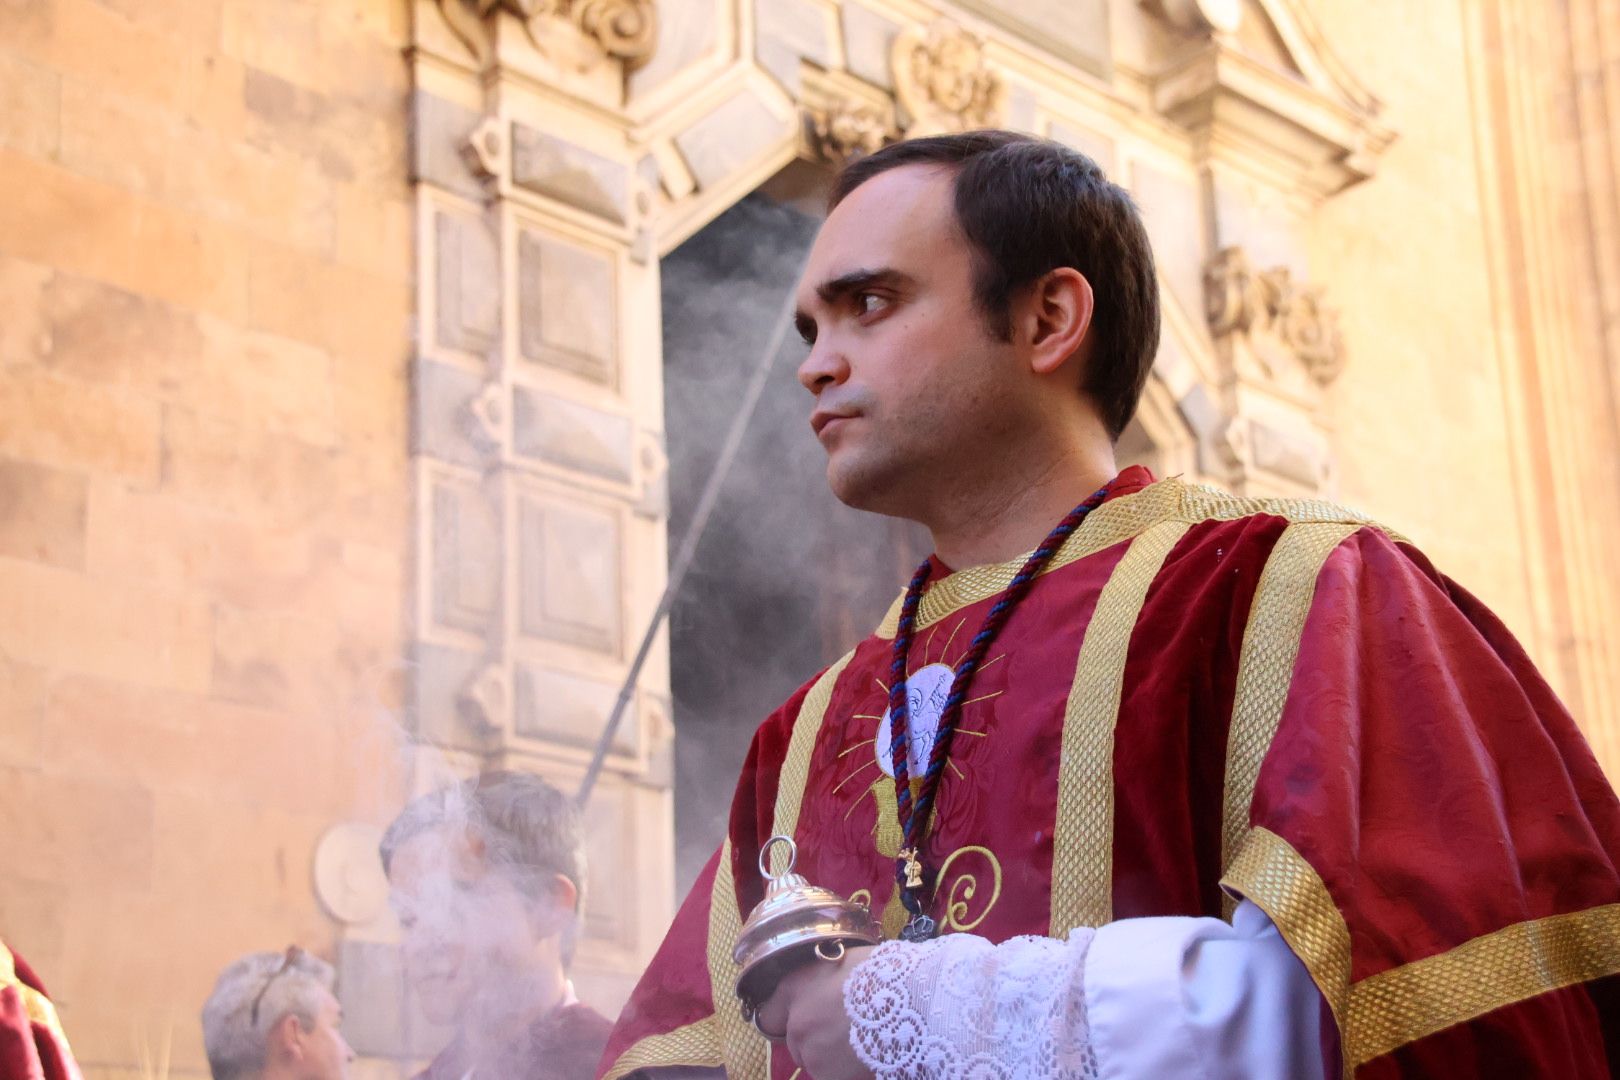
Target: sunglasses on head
(289, 961)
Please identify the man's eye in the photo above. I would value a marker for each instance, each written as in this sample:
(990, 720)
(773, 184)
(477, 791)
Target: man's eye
(868, 303)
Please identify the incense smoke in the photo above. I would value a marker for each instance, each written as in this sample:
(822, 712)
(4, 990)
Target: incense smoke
(786, 578)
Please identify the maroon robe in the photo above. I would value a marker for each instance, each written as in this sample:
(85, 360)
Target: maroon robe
(32, 1043)
(1205, 698)
(565, 1044)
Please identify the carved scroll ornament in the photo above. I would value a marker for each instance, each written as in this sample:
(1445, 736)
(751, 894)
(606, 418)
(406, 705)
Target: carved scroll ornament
(1268, 306)
(943, 81)
(626, 30)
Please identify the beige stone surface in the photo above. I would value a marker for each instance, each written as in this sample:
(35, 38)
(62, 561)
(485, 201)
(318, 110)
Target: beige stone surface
(22, 713)
(1477, 413)
(1420, 428)
(30, 107)
(42, 514)
(205, 310)
(52, 420)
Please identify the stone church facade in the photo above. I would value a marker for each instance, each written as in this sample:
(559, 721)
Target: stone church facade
(333, 441)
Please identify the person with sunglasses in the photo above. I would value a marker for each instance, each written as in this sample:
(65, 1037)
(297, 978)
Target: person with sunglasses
(273, 1016)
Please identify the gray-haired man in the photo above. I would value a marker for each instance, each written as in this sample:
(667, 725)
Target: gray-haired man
(272, 1016)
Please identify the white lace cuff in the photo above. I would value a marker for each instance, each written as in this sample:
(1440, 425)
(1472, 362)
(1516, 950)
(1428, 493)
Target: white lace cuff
(958, 1006)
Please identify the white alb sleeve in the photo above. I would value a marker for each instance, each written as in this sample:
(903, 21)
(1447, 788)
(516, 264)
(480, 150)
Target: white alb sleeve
(1138, 998)
(958, 1006)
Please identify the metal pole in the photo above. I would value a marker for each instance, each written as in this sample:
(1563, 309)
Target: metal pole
(689, 543)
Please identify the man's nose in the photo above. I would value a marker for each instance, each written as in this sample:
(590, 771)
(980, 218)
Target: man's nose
(825, 366)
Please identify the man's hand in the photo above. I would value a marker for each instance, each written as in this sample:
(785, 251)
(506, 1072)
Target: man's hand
(809, 1005)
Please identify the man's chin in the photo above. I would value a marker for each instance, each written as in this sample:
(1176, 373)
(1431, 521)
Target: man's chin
(861, 487)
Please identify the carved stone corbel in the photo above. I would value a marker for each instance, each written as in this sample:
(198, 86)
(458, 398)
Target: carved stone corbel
(1277, 318)
(839, 130)
(943, 81)
(485, 702)
(487, 149)
(626, 30)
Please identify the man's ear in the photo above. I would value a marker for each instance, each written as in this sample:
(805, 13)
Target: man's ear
(563, 905)
(1057, 314)
(285, 1040)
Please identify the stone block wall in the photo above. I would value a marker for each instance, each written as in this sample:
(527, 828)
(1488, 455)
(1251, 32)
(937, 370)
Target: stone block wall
(205, 305)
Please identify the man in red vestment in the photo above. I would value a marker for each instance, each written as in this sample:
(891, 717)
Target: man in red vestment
(1207, 786)
(487, 877)
(32, 1044)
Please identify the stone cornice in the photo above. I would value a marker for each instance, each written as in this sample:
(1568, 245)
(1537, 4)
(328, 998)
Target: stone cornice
(1229, 97)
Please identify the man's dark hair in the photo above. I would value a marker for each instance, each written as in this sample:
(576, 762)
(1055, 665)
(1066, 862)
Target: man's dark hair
(1029, 206)
(530, 831)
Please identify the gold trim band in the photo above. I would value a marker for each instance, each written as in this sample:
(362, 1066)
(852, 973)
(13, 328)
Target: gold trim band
(795, 772)
(1111, 523)
(1514, 964)
(1271, 641)
(1384, 1012)
(1083, 837)
(745, 1053)
(694, 1044)
(1270, 874)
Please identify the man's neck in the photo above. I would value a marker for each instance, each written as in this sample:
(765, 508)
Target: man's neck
(1009, 519)
(488, 1033)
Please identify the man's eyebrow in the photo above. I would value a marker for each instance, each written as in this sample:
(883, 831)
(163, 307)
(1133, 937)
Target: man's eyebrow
(835, 289)
(844, 284)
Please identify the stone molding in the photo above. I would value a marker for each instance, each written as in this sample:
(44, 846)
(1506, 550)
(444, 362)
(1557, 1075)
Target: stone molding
(1330, 135)
(1279, 318)
(625, 30)
(1280, 346)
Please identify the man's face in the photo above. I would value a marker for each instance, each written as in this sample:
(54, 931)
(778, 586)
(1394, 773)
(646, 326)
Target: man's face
(912, 390)
(326, 1052)
(470, 941)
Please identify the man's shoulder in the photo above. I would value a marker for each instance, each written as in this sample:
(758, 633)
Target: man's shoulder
(1287, 542)
(1296, 535)
(569, 1042)
(1196, 503)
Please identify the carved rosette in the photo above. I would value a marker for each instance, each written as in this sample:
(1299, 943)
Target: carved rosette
(626, 30)
(944, 82)
(1273, 312)
(843, 129)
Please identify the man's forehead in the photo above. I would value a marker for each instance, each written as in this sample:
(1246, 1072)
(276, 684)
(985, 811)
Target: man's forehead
(896, 219)
(440, 850)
